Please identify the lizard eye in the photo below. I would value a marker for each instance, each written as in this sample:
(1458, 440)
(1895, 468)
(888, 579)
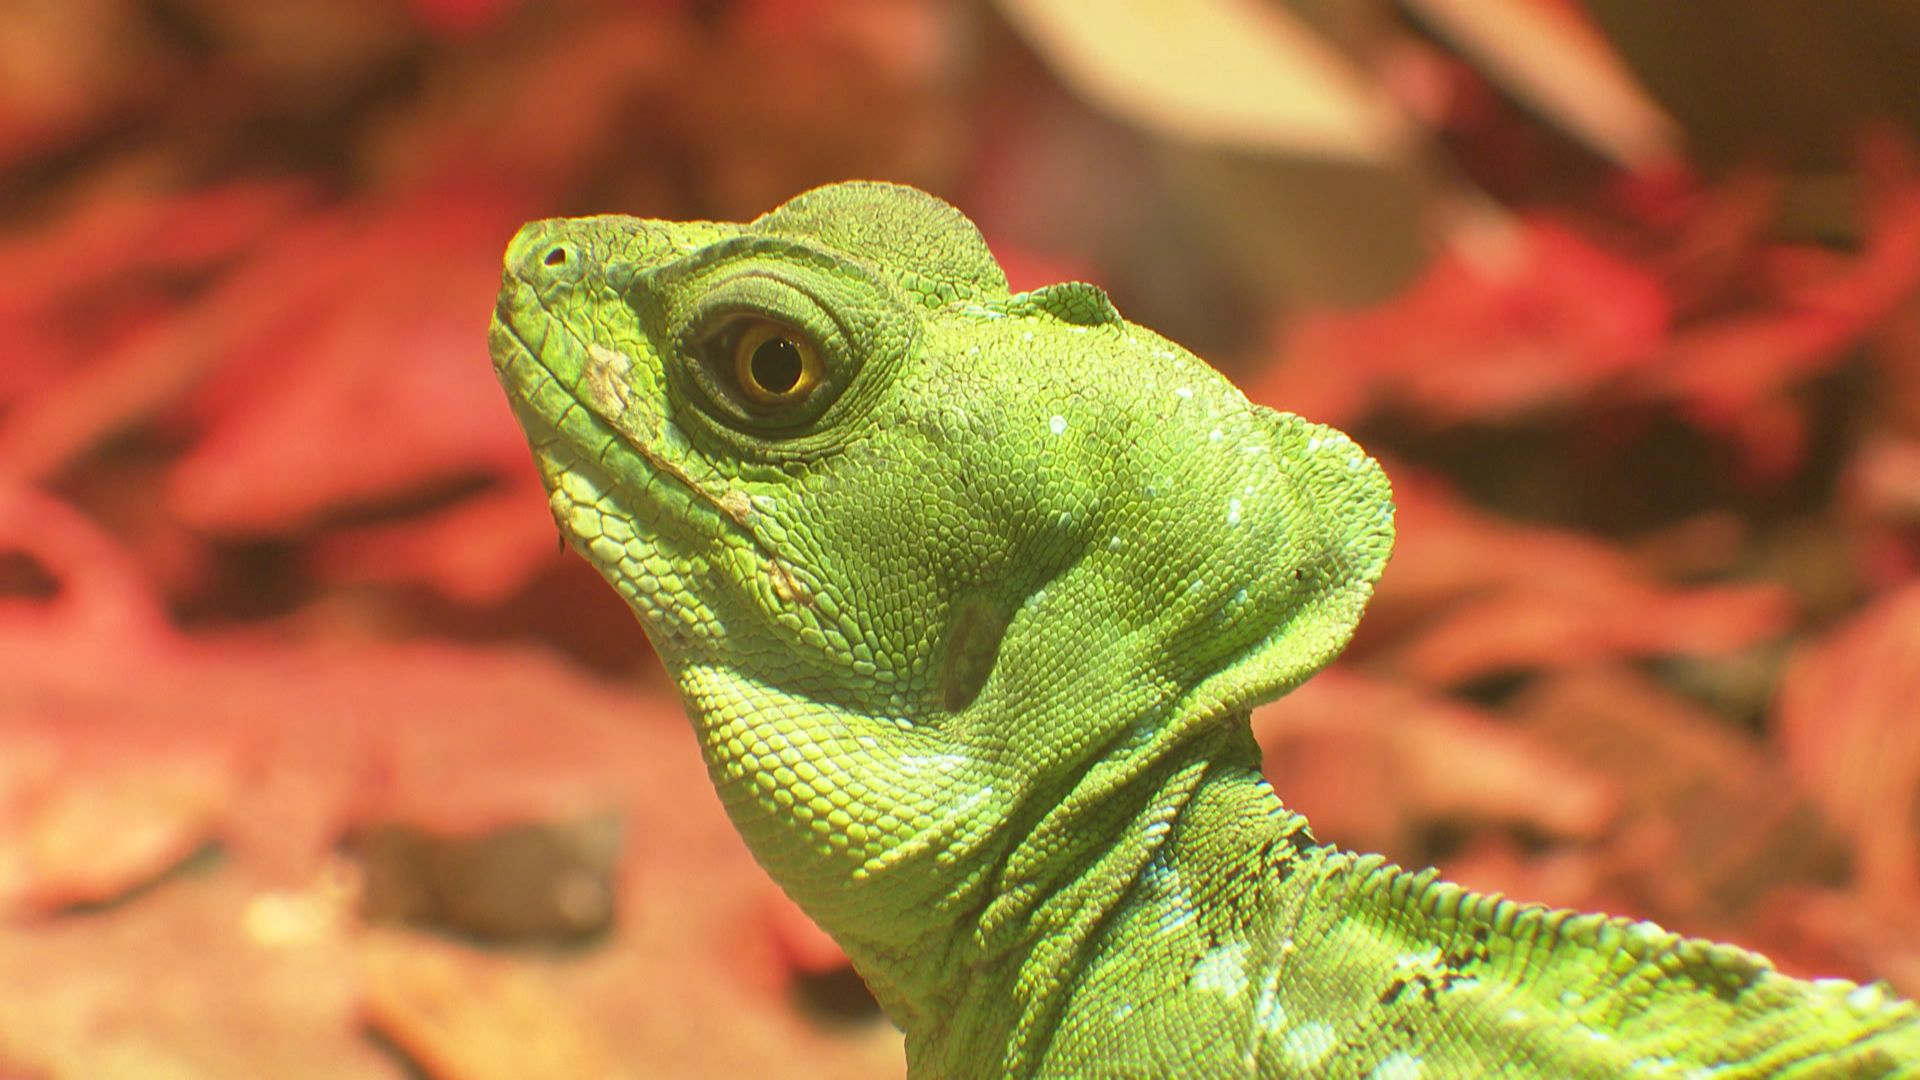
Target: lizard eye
(773, 364)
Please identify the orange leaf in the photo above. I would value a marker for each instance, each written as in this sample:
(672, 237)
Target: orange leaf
(1846, 721)
(1367, 760)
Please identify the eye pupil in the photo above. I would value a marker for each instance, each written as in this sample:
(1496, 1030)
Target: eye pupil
(776, 366)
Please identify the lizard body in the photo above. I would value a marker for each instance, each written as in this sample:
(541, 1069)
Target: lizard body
(969, 594)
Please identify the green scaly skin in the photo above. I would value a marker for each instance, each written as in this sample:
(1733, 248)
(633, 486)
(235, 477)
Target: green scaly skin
(970, 630)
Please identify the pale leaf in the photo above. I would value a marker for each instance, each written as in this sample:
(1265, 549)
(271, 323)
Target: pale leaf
(1238, 74)
(1552, 59)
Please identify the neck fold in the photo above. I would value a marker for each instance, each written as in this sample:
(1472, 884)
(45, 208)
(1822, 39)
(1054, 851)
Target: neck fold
(1149, 868)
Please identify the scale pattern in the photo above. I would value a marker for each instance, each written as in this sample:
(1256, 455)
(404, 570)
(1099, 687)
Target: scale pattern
(969, 595)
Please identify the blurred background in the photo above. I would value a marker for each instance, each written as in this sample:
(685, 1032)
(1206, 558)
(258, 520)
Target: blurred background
(318, 759)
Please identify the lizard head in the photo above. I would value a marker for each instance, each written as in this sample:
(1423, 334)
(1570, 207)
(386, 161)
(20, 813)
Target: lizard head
(922, 555)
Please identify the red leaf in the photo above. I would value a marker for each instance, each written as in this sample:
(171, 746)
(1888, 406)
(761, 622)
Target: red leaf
(1527, 317)
(375, 387)
(479, 551)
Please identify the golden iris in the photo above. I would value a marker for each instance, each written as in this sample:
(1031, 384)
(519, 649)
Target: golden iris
(773, 365)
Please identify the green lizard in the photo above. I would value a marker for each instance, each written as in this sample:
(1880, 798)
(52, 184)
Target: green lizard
(969, 594)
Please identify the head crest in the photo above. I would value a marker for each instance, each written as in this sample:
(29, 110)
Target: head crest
(926, 245)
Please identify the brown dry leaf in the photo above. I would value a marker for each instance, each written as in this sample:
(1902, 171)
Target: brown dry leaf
(1369, 762)
(1848, 722)
(1550, 56)
(1240, 75)
(463, 1015)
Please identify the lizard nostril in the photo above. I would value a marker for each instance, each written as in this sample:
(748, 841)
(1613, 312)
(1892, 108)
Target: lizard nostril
(556, 257)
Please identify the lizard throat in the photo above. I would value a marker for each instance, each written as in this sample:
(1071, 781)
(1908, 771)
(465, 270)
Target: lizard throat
(1138, 870)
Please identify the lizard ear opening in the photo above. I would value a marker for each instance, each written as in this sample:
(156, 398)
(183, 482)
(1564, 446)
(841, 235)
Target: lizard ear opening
(929, 248)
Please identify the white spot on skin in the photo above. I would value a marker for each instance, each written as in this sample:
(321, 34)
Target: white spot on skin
(942, 763)
(1223, 970)
(1867, 998)
(1268, 1013)
(1309, 1044)
(1180, 914)
(1233, 511)
(1183, 391)
(1424, 958)
(1028, 336)
(1215, 435)
(1058, 424)
(1398, 1066)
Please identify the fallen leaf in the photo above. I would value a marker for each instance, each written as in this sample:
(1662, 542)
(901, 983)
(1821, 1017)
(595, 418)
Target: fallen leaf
(1510, 319)
(1845, 721)
(375, 389)
(1548, 54)
(466, 1016)
(1238, 74)
(1370, 762)
(88, 823)
(1475, 596)
(478, 551)
(1708, 822)
(199, 980)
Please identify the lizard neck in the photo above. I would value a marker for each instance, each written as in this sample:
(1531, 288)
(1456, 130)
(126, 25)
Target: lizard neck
(1114, 894)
